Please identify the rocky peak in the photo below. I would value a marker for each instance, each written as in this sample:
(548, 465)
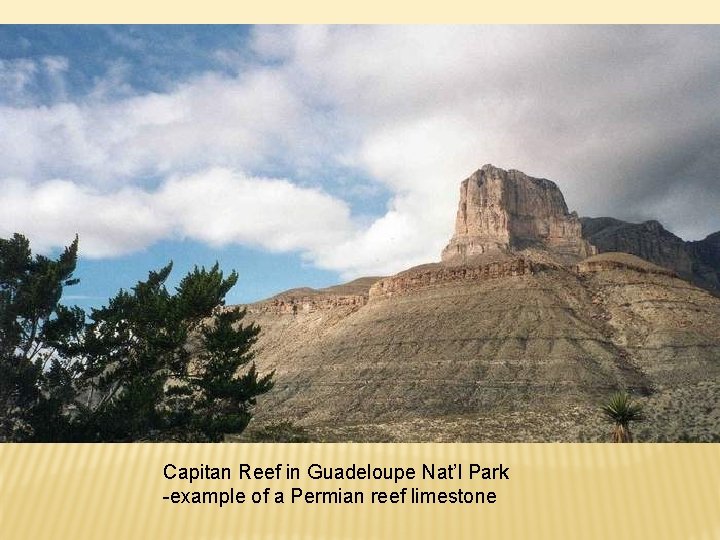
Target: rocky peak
(503, 210)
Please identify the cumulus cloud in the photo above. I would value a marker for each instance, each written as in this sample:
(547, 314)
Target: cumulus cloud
(625, 119)
(52, 212)
(221, 207)
(217, 206)
(211, 120)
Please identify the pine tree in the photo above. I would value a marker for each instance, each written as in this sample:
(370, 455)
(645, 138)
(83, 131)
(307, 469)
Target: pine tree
(164, 366)
(39, 338)
(151, 365)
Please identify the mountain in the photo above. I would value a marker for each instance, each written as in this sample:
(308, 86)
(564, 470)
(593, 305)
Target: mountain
(516, 335)
(698, 262)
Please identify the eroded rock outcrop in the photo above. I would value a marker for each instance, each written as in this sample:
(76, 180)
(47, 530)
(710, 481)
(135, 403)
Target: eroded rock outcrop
(479, 357)
(349, 296)
(706, 270)
(294, 304)
(508, 210)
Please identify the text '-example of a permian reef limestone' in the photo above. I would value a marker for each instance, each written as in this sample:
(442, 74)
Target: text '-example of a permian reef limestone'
(520, 333)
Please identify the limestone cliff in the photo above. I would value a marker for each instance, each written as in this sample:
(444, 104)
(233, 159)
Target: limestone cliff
(507, 210)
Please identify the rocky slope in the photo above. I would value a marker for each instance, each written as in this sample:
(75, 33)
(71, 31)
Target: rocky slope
(519, 342)
(470, 359)
(698, 262)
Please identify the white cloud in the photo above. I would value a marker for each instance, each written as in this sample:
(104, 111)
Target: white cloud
(625, 119)
(51, 213)
(21, 78)
(221, 207)
(209, 121)
(217, 206)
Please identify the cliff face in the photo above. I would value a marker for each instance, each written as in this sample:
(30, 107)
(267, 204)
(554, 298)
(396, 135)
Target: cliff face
(504, 210)
(698, 262)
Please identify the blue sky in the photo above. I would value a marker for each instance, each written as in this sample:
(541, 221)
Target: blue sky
(154, 56)
(305, 156)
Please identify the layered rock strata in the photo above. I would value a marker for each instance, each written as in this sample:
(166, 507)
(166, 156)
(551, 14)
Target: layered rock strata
(292, 304)
(438, 275)
(508, 210)
(620, 261)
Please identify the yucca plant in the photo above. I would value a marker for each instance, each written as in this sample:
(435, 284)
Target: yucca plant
(621, 411)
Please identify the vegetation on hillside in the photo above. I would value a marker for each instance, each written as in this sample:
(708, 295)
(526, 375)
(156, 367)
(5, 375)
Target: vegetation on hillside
(620, 410)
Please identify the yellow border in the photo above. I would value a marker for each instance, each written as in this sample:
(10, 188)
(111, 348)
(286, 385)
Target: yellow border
(371, 11)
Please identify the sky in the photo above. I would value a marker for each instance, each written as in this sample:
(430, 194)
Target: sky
(311, 155)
